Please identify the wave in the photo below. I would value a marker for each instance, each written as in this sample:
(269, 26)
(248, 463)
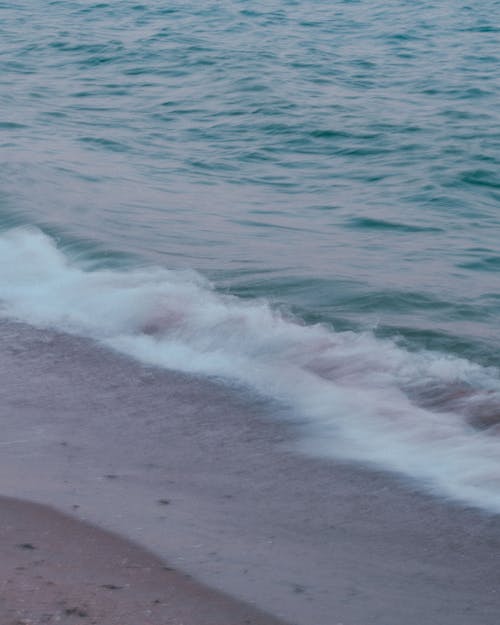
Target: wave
(428, 415)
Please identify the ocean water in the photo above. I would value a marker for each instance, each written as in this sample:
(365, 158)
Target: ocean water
(298, 198)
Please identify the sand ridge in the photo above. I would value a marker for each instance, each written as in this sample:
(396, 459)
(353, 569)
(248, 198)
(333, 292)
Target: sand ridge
(55, 569)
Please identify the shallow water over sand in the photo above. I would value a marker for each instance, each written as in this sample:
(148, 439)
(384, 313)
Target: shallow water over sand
(205, 477)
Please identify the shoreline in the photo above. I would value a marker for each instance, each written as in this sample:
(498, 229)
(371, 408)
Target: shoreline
(57, 569)
(205, 477)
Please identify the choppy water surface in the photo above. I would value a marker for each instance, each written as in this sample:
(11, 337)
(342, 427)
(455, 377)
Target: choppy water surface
(321, 163)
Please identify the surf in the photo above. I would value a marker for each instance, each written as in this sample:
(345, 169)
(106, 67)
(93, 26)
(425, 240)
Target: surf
(426, 415)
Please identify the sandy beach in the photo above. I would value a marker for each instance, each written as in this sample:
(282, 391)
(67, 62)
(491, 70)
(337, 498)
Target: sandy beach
(55, 569)
(206, 478)
(249, 313)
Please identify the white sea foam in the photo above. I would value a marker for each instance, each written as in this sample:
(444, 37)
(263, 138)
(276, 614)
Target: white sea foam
(351, 390)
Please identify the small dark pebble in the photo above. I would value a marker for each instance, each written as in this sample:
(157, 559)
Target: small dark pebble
(111, 476)
(26, 546)
(111, 587)
(76, 611)
(164, 502)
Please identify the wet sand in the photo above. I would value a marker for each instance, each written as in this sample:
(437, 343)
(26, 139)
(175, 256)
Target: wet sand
(206, 477)
(54, 569)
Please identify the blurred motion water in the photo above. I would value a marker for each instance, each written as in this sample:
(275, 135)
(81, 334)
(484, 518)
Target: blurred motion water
(326, 163)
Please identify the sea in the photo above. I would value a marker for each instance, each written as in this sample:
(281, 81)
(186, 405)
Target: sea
(299, 200)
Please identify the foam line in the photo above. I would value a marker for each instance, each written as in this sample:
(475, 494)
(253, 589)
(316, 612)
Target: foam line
(358, 397)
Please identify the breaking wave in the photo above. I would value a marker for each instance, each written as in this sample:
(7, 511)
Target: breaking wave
(427, 415)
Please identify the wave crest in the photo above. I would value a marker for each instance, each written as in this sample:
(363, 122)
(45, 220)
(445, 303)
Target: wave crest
(358, 397)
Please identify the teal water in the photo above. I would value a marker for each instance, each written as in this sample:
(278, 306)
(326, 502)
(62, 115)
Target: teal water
(336, 162)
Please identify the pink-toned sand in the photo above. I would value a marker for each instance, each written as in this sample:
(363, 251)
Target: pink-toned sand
(54, 569)
(206, 477)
